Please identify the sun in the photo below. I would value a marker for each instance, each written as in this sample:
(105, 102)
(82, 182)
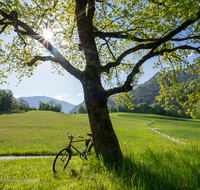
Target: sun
(47, 34)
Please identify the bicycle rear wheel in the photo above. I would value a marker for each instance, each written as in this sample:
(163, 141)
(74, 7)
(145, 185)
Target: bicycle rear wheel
(61, 160)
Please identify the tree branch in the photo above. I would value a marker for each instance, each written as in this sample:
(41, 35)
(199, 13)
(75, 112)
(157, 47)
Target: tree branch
(30, 32)
(153, 45)
(127, 84)
(91, 10)
(183, 39)
(15, 21)
(183, 26)
(107, 67)
(184, 47)
(5, 26)
(41, 58)
(120, 35)
(169, 36)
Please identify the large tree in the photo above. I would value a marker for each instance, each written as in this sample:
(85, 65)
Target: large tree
(97, 41)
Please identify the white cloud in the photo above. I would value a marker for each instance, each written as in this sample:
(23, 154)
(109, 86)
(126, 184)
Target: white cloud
(17, 96)
(66, 95)
(80, 94)
(58, 97)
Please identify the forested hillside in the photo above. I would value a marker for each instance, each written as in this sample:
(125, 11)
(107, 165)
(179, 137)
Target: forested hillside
(144, 98)
(150, 89)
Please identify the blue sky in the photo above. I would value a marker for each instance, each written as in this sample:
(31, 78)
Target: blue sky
(44, 83)
(66, 88)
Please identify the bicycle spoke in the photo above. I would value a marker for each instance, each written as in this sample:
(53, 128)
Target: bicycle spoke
(61, 160)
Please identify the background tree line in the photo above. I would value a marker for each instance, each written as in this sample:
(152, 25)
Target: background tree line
(50, 106)
(144, 98)
(156, 108)
(9, 103)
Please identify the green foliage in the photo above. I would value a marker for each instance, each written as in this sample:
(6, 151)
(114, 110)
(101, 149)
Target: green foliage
(112, 108)
(24, 105)
(50, 106)
(99, 41)
(186, 93)
(82, 109)
(134, 27)
(149, 93)
(7, 101)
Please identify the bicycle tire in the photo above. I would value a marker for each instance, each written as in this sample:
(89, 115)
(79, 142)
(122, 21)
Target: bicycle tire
(61, 160)
(90, 147)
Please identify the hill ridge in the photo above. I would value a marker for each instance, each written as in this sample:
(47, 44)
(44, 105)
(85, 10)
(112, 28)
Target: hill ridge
(34, 102)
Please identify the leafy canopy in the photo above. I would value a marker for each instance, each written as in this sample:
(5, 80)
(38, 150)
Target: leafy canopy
(127, 34)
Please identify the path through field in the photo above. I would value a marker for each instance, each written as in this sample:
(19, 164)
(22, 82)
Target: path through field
(164, 135)
(22, 157)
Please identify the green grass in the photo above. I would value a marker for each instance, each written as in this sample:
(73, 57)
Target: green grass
(44, 132)
(146, 167)
(38, 132)
(151, 161)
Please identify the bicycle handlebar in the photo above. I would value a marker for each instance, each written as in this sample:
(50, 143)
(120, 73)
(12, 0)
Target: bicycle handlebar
(71, 136)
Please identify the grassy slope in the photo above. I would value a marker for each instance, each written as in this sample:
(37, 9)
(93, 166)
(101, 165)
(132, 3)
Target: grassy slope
(44, 133)
(151, 161)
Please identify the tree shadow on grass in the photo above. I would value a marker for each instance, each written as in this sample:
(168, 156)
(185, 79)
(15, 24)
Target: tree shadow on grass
(11, 112)
(156, 174)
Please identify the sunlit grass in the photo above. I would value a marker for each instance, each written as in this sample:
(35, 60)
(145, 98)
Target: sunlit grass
(151, 161)
(155, 166)
(44, 132)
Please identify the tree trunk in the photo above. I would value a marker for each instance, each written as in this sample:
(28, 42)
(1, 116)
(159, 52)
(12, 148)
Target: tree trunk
(105, 141)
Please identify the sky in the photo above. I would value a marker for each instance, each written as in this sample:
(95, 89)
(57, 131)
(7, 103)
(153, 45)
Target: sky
(65, 88)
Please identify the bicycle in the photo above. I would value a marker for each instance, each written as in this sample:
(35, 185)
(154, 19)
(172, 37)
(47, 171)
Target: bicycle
(64, 156)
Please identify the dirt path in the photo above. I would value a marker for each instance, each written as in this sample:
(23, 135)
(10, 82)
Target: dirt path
(23, 157)
(164, 135)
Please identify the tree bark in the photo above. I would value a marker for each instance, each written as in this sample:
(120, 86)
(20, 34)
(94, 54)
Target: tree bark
(105, 140)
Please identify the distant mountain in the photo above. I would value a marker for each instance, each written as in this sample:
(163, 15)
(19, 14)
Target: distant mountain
(34, 102)
(75, 109)
(150, 89)
(146, 92)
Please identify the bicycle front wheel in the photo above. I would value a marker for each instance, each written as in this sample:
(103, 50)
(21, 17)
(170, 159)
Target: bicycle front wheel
(61, 160)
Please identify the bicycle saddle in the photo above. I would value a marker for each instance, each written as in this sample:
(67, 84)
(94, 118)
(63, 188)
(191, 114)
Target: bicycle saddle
(89, 134)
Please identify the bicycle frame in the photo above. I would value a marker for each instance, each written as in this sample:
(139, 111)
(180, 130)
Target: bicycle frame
(81, 153)
(64, 156)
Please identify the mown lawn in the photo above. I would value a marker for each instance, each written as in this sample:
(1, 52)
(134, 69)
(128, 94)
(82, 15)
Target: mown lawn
(44, 132)
(151, 161)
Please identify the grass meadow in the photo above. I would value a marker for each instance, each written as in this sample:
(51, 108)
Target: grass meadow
(151, 161)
